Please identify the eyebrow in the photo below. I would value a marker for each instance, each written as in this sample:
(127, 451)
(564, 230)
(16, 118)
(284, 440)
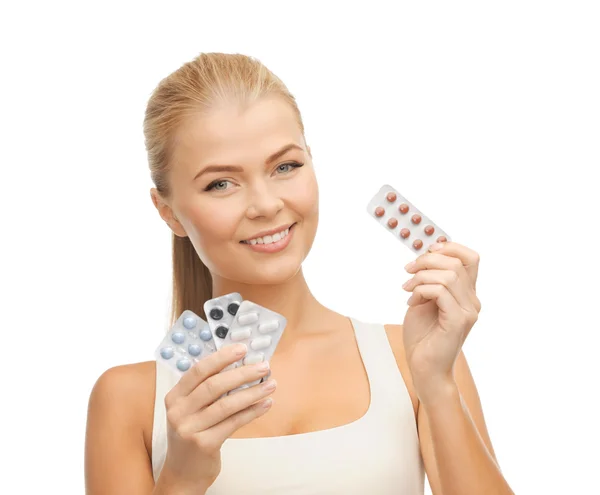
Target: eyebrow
(237, 168)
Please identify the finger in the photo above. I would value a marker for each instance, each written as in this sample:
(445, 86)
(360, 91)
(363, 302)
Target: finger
(435, 261)
(216, 435)
(205, 368)
(438, 293)
(228, 406)
(468, 257)
(448, 306)
(215, 386)
(459, 287)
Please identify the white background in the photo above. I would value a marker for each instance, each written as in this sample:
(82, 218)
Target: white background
(486, 115)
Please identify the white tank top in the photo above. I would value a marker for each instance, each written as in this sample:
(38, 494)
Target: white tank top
(378, 453)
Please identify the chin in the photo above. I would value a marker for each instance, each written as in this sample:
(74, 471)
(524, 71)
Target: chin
(271, 272)
(277, 273)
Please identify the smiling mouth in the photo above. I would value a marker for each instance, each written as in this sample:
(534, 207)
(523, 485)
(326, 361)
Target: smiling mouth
(270, 239)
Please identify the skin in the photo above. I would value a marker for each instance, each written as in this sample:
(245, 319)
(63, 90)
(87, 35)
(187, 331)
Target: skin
(332, 388)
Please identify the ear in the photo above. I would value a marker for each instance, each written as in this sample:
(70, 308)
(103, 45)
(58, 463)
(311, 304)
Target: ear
(166, 213)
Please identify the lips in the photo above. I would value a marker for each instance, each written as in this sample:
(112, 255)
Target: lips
(271, 244)
(270, 236)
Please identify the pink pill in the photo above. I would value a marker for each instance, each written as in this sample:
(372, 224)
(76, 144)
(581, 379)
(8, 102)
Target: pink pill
(403, 208)
(404, 233)
(429, 230)
(379, 211)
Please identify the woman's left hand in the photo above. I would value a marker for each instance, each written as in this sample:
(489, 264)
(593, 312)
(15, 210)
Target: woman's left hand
(442, 310)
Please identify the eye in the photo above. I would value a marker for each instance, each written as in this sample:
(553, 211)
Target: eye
(288, 167)
(217, 185)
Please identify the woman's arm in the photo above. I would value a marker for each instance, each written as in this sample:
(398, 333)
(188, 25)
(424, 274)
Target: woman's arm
(451, 427)
(455, 444)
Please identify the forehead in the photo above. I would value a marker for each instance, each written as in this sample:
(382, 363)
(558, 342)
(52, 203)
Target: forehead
(231, 135)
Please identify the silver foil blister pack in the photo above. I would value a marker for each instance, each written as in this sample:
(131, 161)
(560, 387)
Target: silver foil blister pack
(188, 341)
(220, 312)
(405, 221)
(192, 339)
(260, 330)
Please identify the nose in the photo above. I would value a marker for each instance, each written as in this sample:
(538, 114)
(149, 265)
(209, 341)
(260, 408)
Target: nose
(263, 203)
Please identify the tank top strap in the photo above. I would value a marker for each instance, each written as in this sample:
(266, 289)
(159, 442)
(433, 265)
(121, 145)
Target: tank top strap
(165, 381)
(386, 381)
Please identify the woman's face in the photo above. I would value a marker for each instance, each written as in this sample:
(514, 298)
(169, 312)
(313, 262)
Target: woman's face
(243, 189)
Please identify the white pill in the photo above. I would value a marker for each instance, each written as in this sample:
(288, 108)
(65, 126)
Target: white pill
(241, 334)
(260, 343)
(269, 326)
(247, 318)
(254, 358)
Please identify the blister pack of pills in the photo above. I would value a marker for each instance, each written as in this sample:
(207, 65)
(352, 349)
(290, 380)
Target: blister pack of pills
(220, 312)
(405, 221)
(260, 329)
(189, 340)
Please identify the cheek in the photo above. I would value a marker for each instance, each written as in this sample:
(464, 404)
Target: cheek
(305, 196)
(207, 223)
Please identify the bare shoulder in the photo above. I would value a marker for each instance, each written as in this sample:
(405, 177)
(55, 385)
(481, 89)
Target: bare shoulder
(127, 391)
(119, 430)
(126, 376)
(394, 334)
(129, 388)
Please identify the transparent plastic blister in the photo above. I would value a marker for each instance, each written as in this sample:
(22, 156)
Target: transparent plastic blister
(405, 221)
(220, 312)
(187, 342)
(260, 330)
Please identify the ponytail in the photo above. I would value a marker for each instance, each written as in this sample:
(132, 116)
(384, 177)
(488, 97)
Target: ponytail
(192, 282)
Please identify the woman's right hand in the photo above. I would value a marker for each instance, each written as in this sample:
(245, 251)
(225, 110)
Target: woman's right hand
(200, 418)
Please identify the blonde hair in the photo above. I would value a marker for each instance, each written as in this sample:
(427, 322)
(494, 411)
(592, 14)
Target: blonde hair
(210, 80)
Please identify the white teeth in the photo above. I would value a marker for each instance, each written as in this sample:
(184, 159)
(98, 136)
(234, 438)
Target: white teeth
(268, 239)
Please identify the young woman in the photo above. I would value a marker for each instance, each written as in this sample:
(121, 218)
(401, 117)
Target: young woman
(351, 407)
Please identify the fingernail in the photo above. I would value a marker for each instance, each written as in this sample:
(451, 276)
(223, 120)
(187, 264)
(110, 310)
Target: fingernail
(410, 265)
(406, 284)
(436, 247)
(263, 366)
(240, 349)
(267, 403)
(270, 385)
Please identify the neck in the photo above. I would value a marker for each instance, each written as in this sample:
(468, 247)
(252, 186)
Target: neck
(291, 299)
